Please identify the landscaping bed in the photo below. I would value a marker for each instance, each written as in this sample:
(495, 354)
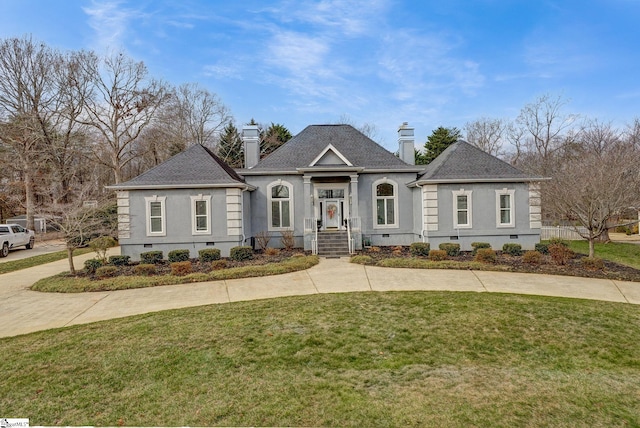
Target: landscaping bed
(401, 257)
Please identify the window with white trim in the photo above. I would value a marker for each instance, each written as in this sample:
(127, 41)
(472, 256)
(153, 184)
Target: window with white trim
(200, 214)
(280, 205)
(156, 215)
(505, 212)
(462, 204)
(385, 208)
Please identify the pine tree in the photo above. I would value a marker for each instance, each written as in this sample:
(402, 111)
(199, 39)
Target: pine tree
(437, 142)
(230, 147)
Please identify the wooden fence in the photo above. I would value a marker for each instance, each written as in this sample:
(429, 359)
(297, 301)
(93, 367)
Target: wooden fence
(564, 232)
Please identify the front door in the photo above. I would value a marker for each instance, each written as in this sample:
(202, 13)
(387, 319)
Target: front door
(332, 214)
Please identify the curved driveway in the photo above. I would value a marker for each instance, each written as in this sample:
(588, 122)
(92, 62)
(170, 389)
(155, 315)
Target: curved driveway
(24, 311)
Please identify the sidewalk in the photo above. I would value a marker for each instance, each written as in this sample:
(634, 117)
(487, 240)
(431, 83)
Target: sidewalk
(24, 311)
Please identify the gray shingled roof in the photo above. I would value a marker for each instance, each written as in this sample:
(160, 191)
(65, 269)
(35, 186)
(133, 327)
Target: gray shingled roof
(301, 150)
(462, 161)
(195, 166)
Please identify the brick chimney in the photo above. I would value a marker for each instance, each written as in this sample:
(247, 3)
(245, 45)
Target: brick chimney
(251, 141)
(406, 144)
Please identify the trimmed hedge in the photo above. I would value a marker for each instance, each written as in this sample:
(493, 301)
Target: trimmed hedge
(542, 248)
(176, 256)
(145, 269)
(151, 257)
(512, 248)
(485, 255)
(209, 254)
(119, 260)
(240, 253)
(91, 265)
(106, 271)
(532, 257)
(478, 245)
(181, 268)
(437, 255)
(452, 249)
(420, 249)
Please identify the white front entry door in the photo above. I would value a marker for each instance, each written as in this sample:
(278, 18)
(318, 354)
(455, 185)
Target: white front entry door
(332, 214)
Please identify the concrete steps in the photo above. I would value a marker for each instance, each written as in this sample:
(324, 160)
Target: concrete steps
(333, 243)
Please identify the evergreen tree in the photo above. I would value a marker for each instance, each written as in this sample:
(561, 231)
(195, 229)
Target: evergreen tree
(230, 147)
(437, 142)
(273, 137)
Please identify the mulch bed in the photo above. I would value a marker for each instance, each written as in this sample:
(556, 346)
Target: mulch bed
(510, 263)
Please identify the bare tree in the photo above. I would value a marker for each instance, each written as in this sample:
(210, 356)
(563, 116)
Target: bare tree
(79, 223)
(596, 184)
(368, 129)
(545, 127)
(124, 101)
(27, 102)
(487, 134)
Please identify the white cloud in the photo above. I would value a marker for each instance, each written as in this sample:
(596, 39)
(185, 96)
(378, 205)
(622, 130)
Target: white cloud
(110, 21)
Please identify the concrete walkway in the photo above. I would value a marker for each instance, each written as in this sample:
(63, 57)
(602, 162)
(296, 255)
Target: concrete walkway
(24, 311)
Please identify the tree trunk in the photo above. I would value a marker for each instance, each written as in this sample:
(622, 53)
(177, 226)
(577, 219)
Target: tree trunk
(592, 250)
(72, 268)
(29, 195)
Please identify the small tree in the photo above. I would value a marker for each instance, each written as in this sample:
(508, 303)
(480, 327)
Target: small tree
(79, 223)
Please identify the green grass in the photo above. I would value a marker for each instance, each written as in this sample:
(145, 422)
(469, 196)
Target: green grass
(14, 265)
(619, 252)
(354, 359)
(63, 283)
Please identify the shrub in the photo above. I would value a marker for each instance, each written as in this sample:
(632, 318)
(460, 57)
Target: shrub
(209, 254)
(374, 249)
(452, 249)
(219, 264)
(560, 254)
(512, 249)
(151, 257)
(145, 269)
(270, 251)
(175, 256)
(437, 255)
(288, 240)
(532, 257)
(558, 241)
(119, 260)
(100, 245)
(181, 268)
(241, 253)
(592, 263)
(362, 260)
(262, 239)
(420, 249)
(106, 271)
(485, 255)
(542, 248)
(478, 245)
(397, 251)
(91, 265)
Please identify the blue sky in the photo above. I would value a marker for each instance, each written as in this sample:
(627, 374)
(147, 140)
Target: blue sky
(382, 62)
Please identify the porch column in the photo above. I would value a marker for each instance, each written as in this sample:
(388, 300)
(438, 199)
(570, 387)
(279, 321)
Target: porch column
(354, 196)
(308, 202)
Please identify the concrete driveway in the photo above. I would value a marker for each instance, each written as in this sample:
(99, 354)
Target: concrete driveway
(40, 247)
(24, 311)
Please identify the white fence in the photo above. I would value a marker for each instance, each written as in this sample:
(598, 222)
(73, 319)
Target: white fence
(564, 232)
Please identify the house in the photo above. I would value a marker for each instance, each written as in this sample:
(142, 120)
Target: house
(335, 190)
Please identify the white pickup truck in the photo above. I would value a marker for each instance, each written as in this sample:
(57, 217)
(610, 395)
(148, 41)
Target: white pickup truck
(13, 236)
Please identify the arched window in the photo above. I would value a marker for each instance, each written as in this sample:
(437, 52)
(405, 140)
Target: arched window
(280, 205)
(385, 209)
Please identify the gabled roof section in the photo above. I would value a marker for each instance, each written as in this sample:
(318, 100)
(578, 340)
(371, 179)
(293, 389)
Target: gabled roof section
(463, 162)
(330, 156)
(353, 147)
(195, 167)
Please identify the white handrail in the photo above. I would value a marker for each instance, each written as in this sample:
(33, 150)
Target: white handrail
(349, 236)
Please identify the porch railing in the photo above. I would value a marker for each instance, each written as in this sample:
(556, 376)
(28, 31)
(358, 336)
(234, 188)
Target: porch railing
(311, 227)
(353, 230)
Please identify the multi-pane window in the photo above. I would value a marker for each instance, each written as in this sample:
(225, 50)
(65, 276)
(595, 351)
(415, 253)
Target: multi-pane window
(461, 209)
(200, 209)
(156, 218)
(280, 206)
(386, 203)
(504, 207)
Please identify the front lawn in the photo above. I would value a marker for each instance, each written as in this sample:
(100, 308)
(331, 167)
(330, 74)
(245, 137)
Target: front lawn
(41, 259)
(357, 359)
(619, 252)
